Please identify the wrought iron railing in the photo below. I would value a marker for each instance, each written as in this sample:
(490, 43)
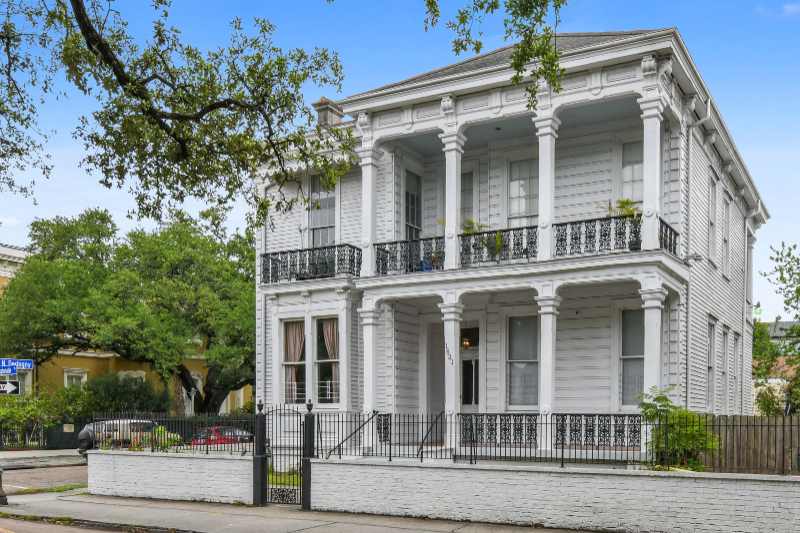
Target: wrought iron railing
(610, 234)
(499, 246)
(667, 237)
(311, 263)
(402, 257)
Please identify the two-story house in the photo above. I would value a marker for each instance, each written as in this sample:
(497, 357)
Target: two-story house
(469, 261)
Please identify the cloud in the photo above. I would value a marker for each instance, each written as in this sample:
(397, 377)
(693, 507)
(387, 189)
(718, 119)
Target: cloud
(790, 9)
(9, 221)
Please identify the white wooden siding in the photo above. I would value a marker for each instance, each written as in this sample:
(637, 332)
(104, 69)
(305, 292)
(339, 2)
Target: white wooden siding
(583, 178)
(286, 232)
(406, 359)
(350, 208)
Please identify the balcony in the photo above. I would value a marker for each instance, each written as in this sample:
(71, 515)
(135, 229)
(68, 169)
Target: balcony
(403, 257)
(311, 263)
(499, 246)
(610, 234)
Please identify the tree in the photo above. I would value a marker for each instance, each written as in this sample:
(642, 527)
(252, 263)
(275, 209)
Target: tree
(113, 393)
(525, 23)
(157, 297)
(785, 276)
(172, 122)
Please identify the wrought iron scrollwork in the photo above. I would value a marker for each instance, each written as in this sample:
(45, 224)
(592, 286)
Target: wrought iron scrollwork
(311, 263)
(499, 246)
(667, 237)
(600, 235)
(384, 428)
(402, 257)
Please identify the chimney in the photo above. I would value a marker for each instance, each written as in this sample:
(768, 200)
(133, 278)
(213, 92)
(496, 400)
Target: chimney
(328, 113)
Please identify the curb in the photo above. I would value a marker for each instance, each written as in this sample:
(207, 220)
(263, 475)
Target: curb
(8, 468)
(104, 525)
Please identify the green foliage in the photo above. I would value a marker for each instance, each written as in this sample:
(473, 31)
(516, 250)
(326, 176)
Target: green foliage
(622, 208)
(525, 23)
(25, 416)
(766, 354)
(114, 393)
(249, 408)
(677, 437)
(771, 401)
(785, 276)
(470, 227)
(173, 121)
(156, 297)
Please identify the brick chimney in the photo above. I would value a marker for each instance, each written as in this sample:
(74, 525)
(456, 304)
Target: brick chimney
(328, 113)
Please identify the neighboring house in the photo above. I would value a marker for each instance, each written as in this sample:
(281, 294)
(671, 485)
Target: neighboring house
(782, 372)
(69, 368)
(371, 303)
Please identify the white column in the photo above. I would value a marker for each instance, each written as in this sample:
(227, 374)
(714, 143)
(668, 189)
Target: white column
(548, 311)
(651, 171)
(451, 316)
(653, 299)
(546, 130)
(370, 318)
(368, 157)
(453, 148)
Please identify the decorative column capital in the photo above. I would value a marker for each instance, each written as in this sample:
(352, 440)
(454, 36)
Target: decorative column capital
(652, 107)
(364, 125)
(547, 126)
(653, 298)
(368, 155)
(369, 316)
(548, 305)
(451, 312)
(453, 141)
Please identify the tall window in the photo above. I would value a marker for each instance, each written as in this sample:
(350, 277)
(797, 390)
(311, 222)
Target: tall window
(294, 362)
(712, 219)
(328, 360)
(726, 235)
(523, 360)
(413, 206)
(633, 171)
(323, 219)
(711, 344)
(467, 197)
(632, 356)
(523, 193)
(725, 385)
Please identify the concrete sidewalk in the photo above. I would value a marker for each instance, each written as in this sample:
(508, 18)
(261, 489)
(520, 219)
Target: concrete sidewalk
(40, 459)
(215, 518)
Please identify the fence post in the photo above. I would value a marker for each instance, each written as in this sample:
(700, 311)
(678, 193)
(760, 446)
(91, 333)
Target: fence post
(260, 459)
(308, 453)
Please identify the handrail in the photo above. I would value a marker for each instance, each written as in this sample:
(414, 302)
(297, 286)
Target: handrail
(419, 452)
(359, 428)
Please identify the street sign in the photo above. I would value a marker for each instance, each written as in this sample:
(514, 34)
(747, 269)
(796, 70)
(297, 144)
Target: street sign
(9, 387)
(8, 371)
(16, 364)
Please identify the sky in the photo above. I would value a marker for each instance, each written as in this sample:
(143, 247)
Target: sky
(746, 52)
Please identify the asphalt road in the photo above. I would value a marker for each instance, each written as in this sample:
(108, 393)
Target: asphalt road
(16, 480)
(8, 525)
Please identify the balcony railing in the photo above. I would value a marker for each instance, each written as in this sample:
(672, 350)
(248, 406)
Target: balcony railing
(498, 246)
(610, 234)
(667, 237)
(402, 257)
(312, 263)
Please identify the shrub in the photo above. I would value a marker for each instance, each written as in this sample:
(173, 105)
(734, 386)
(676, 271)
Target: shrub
(114, 393)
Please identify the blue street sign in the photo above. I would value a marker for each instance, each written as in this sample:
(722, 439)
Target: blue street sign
(16, 364)
(8, 371)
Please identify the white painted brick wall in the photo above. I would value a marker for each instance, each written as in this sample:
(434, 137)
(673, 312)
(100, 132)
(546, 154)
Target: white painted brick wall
(172, 476)
(595, 499)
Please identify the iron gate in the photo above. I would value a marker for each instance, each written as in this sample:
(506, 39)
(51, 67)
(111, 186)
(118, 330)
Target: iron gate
(284, 428)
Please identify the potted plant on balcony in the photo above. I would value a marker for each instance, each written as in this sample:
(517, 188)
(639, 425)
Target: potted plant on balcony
(623, 208)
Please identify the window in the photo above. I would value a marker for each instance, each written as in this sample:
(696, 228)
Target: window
(328, 360)
(467, 196)
(523, 360)
(523, 193)
(632, 171)
(413, 206)
(725, 353)
(710, 360)
(75, 376)
(294, 362)
(323, 220)
(726, 235)
(712, 219)
(632, 356)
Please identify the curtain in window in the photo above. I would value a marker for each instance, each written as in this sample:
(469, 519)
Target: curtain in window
(295, 339)
(330, 328)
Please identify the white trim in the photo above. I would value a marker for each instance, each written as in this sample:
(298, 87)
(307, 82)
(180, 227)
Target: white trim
(508, 156)
(617, 307)
(507, 312)
(81, 373)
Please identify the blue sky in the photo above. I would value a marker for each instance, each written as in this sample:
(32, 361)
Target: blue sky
(747, 53)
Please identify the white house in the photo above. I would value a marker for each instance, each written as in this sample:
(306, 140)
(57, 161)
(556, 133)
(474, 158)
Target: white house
(386, 300)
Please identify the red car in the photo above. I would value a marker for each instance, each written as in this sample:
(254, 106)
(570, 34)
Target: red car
(221, 435)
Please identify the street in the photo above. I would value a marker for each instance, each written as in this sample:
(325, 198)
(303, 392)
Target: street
(9, 525)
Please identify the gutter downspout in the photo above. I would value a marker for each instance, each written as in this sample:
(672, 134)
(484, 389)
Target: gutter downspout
(687, 234)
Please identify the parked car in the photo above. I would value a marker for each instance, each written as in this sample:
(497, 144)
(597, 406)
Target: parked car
(218, 435)
(118, 433)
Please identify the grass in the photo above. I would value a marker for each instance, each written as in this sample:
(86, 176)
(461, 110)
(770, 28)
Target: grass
(62, 520)
(287, 480)
(62, 488)
(21, 516)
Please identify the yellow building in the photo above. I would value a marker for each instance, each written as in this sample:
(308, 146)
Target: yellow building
(69, 368)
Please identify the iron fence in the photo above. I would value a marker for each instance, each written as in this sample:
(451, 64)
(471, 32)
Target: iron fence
(667, 237)
(58, 435)
(311, 263)
(226, 434)
(515, 244)
(402, 257)
(610, 234)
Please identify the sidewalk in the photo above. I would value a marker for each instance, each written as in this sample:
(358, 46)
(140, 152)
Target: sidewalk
(40, 459)
(215, 518)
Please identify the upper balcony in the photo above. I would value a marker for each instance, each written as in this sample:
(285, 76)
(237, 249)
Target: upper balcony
(311, 263)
